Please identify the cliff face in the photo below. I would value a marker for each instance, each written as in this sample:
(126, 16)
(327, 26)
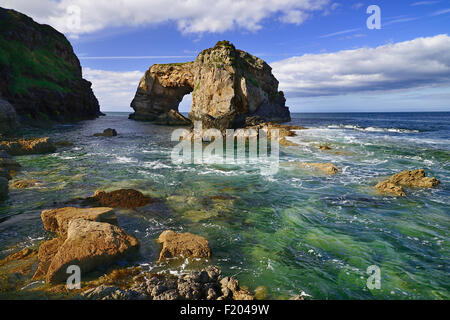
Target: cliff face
(40, 74)
(228, 86)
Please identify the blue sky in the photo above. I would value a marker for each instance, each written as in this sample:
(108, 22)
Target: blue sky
(321, 51)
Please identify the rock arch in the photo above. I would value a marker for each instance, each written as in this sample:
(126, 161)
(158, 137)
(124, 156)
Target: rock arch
(228, 86)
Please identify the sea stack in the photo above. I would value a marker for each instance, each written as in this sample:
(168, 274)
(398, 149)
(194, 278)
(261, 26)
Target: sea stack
(228, 86)
(40, 76)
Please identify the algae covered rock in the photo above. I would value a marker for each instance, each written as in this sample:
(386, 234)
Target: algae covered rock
(19, 147)
(410, 179)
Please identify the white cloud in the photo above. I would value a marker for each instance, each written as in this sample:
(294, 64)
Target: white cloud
(191, 16)
(423, 3)
(357, 5)
(113, 89)
(422, 62)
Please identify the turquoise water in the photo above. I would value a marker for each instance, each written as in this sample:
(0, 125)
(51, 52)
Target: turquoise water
(291, 232)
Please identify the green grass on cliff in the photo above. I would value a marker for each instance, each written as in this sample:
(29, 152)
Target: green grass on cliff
(35, 68)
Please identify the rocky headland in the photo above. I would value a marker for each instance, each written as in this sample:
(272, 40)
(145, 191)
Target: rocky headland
(40, 76)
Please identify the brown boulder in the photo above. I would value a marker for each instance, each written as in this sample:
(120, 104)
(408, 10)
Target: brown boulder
(46, 252)
(57, 220)
(414, 178)
(89, 245)
(123, 198)
(390, 188)
(407, 178)
(183, 244)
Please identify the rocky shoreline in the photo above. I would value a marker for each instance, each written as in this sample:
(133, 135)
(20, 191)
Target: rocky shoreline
(89, 236)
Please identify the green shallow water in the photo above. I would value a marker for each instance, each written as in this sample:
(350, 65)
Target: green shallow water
(291, 232)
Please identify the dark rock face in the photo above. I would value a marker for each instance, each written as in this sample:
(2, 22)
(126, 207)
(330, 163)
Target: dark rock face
(39, 73)
(227, 85)
(8, 117)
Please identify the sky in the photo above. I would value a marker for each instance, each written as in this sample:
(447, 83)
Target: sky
(322, 51)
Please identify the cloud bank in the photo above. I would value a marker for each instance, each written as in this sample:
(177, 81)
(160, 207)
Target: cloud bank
(190, 16)
(419, 63)
(113, 89)
(422, 62)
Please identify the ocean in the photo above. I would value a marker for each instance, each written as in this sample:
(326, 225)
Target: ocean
(293, 232)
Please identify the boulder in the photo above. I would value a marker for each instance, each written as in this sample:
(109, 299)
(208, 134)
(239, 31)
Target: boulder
(89, 245)
(231, 289)
(57, 220)
(414, 178)
(47, 251)
(123, 198)
(410, 179)
(390, 188)
(20, 147)
(8, 117)
(106, 133)
(183, 244)
(227, 85)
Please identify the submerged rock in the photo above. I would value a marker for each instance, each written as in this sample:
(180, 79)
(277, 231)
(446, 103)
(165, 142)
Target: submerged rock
(183, 244)
(18, 147)
(327, 168)
(227, 85)
(411, 179)
(106, 133)
(4, 173)
(89, 245)
(57, 220)
(123, 198)
(23, 184)
(63, 144)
